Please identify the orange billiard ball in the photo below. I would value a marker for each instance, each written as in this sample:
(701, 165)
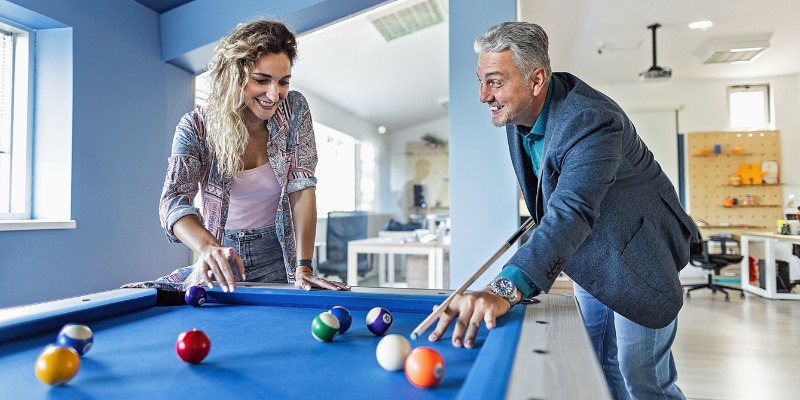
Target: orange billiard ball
(56, 364)
(424, 367)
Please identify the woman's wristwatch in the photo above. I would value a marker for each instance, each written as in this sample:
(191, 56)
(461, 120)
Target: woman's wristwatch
(506, 289)
(306, 262)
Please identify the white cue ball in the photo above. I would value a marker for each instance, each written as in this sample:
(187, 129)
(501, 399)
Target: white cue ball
(392, 351)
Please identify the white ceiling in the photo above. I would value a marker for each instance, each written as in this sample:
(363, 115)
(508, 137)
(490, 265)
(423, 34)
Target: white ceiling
(404, 82)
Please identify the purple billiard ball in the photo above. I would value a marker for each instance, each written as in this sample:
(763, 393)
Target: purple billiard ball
(343, 315)
(379, 320)
(195, 296)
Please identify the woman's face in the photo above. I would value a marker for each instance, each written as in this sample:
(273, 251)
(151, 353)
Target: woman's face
(267, 85)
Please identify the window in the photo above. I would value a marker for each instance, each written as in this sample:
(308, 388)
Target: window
(748, 106)
(14, 135)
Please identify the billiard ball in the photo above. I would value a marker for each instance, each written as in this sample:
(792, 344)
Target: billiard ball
(424, 367)
(56, 365)
(195, 296)
(193, 346)
(77, 336)
(379, 320)
(343, 315)
(392, 351)
(325, 327)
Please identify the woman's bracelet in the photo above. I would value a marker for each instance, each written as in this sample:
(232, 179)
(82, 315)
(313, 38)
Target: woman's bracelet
(306, 262)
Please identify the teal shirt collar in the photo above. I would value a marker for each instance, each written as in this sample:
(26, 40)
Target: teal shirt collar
(537, 132)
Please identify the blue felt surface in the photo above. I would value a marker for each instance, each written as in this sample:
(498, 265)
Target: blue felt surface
(259, 351)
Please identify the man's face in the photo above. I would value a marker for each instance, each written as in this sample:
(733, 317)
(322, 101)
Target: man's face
(511, 100)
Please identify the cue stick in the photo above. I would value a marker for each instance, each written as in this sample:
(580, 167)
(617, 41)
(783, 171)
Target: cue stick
(439, 310)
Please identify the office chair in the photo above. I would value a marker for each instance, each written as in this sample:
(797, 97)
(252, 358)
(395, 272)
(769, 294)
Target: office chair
(712, 263)
(343, 226)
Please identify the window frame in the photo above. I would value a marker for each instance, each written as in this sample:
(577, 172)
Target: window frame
(17, 179)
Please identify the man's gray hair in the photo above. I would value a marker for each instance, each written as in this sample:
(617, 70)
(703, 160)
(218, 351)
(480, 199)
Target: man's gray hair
(528, 43)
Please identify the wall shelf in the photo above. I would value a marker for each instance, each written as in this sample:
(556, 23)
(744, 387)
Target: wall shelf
(722, 155)
(752, 206)
(733, 226)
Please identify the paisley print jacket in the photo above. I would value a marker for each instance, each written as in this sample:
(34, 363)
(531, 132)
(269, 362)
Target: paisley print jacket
(192, 167)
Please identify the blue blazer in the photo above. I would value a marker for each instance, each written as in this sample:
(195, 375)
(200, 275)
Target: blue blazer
(606, 213)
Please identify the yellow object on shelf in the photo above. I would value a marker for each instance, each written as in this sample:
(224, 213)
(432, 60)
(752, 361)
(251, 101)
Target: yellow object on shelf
(750, 174)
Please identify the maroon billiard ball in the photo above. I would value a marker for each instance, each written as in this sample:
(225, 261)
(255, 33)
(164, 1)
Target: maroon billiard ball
(193, 346)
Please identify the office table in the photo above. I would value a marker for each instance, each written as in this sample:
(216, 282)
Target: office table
(261, 347)
(770, 242)
(434, 250)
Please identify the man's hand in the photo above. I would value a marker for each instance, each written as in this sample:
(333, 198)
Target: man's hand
(468, 310)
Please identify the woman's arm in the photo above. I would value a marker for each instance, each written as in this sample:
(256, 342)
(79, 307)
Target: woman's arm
(304, 218)
(212, 257)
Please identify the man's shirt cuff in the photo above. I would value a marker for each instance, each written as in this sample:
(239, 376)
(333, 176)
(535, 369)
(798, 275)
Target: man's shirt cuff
(520, 280)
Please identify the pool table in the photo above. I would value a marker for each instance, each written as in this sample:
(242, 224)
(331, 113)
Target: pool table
(262, 347)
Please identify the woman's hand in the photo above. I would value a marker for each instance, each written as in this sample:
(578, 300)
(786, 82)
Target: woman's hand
(214, 262)
(305, 279)
(468, 311)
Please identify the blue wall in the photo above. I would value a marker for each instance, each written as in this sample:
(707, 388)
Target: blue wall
(483, 189)
(125, 102)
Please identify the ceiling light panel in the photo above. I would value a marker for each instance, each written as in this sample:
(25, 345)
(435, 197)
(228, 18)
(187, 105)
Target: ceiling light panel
(410, 19)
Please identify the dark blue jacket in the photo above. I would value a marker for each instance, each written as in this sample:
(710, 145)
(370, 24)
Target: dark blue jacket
(607, 214)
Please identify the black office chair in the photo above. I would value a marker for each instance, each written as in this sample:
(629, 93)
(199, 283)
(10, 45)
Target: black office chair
(343, 226)
(712, 263)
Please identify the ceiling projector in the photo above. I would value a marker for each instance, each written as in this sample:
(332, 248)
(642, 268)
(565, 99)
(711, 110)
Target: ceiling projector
(656, 73)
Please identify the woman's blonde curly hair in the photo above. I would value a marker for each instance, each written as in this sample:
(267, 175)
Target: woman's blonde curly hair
(229, 71)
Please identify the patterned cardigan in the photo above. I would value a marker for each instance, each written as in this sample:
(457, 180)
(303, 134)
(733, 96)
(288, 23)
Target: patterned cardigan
(191, 167)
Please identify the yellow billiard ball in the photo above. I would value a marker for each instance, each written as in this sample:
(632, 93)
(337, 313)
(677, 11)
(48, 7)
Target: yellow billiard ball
(56, 364)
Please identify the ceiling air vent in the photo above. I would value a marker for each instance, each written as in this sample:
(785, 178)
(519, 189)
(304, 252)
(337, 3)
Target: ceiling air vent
(741, 50)
(410, 19)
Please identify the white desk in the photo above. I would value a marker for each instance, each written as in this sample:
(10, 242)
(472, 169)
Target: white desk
(434, 250)
(769, 240)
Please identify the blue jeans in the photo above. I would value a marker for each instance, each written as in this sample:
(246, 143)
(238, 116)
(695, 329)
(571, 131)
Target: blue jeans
(261, 252)
(637, 361)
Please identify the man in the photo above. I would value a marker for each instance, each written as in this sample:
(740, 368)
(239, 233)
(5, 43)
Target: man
(606, 215)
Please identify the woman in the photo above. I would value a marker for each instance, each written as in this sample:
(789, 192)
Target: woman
(251, 153)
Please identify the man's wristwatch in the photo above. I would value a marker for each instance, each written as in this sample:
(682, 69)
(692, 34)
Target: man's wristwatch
(505, 289)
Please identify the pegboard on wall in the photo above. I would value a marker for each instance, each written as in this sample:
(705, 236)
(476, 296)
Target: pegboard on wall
(715, 160)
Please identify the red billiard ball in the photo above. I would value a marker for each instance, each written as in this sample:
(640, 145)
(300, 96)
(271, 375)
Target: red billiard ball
(193, 346)
(379, 320)
(424, 367)
(195, 296)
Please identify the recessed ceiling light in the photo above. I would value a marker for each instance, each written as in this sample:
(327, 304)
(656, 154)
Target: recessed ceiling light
(701, 25)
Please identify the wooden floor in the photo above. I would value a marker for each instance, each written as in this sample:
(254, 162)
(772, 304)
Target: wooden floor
(743, 349)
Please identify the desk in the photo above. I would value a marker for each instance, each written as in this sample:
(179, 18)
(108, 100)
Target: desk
(770, 241)
(434, 250)
(260, 341)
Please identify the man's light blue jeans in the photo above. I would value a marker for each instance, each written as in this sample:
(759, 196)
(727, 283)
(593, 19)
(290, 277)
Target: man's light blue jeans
(637, 361)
